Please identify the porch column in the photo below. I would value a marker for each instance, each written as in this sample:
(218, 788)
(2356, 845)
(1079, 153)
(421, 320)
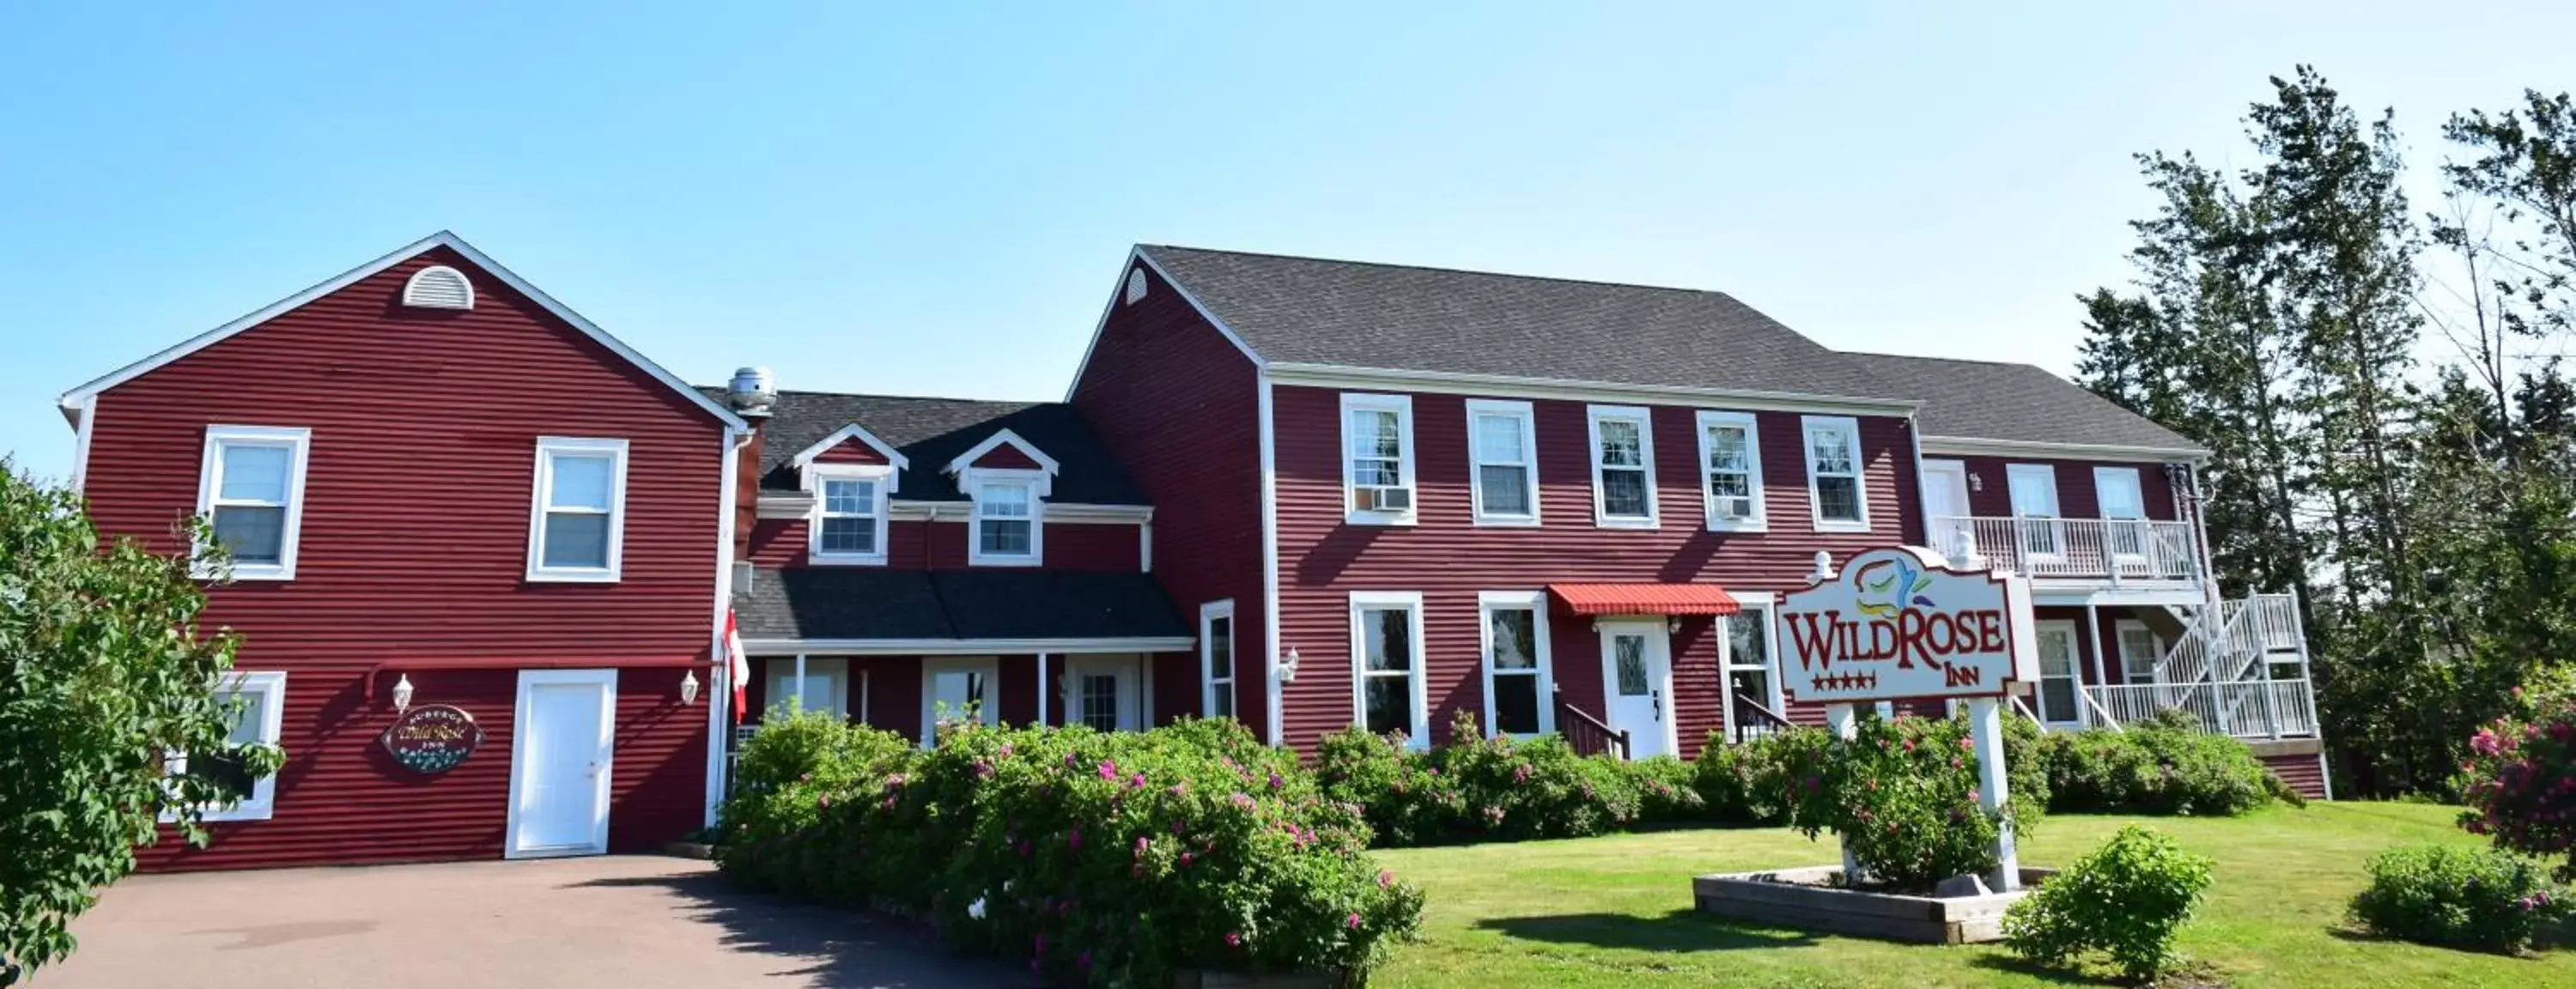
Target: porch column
(1042, 690)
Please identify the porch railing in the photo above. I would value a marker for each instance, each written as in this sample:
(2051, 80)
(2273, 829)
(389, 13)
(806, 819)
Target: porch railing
(2112, 550)
(1587, 734)
(1755, 720)
(2245, 709)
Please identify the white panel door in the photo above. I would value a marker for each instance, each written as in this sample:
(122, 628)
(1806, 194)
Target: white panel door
(560, 762)
(1945, 508)
(1636, 680)
(2034, 497)
(2058, 682)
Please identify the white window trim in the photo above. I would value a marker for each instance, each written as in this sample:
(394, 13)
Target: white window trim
(1411, 602)
(1593, 417)
(1488, 602)
(1523, 412)
(1001, 438)
(541, 487)
(1402, 406)
(815, 475)
(2120, 645)
(1208, 614)
(973, 480)
(1808, 427)
(1750, 602)
(2137, 482)
(1759, 519)
(262, 802)
(299, 441)
(931, 666)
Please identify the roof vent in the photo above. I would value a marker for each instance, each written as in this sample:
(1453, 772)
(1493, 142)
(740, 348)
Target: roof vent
(438, 287)
(752, 392)
(1135, 285)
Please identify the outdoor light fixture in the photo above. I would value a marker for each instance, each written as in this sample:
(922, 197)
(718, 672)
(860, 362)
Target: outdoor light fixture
(1976, 483)
(1288, 667)
(402, 694)
(1672, 626)
(688, 688)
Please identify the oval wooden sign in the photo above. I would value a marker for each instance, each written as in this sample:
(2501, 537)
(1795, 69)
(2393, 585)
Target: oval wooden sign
(433, 738)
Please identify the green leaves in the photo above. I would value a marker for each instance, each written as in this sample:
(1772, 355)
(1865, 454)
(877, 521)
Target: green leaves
(103, 673)
(2127, 900)
(2462, 897)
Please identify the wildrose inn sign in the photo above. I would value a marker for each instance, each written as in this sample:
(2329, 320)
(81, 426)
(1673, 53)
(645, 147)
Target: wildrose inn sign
(1900, 624)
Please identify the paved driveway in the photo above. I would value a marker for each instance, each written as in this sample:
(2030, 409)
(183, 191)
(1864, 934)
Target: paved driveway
(629, 922)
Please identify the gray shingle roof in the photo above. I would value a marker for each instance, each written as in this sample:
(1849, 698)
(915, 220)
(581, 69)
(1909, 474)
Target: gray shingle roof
(873, 603)
(930, 432)
(1988, 400)
(1358, 314)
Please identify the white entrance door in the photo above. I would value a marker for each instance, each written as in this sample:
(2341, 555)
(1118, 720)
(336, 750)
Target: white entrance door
(2034, 497)
(1636, 677)
(2124, 505)
(953, 689)
(1105, 692)
(1945, 509)
(2058, 704)
(560, 741)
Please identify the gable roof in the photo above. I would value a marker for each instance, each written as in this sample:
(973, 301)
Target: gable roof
(929, 432)
(2018, 403)
(1294, 311)
(72, 400)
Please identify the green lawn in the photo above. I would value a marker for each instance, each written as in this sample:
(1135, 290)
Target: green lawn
(1616, 911)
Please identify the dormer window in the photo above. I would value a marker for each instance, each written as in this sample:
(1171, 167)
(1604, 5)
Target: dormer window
(849, 513)
(1005, 522)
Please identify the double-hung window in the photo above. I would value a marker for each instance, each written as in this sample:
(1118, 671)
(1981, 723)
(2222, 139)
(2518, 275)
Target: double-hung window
(578, 522)
(849, 514)
(251, 487)
(1517, 684)
(1377, 459)
(1623, 468)
(1216, 658)
(2139, 651)
(1501, 440)
(1730, 462)
(254, 706)
(810, 683)
(1007, 519)
(1386, 669)
(1834, 488)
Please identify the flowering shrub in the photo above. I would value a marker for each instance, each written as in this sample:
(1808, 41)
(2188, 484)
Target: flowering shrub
(2521, 789)
(2448, 896)
(2154, 767)
(1500, 788)
(1099, 858)
(1903, 796)
(2126, 899)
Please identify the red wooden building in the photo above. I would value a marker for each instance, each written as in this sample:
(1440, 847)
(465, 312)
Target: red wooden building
(1302, 493)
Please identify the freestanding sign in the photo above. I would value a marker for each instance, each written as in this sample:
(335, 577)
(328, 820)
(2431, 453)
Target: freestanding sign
(432, 738)
(1900, 624)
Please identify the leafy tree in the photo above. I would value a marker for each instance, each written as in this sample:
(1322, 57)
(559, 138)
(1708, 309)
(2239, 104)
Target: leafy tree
(102, 674)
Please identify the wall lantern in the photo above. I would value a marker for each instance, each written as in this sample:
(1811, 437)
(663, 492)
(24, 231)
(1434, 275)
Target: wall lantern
(1976, 482)
(1288, 667)
(688, 688)
(402, 694)
(1672, 626)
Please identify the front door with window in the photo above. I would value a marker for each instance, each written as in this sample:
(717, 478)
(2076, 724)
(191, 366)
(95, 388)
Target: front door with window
(1636, 679)
(2057, 701)
(559, 762)
(1104, 692)
(1945, 508)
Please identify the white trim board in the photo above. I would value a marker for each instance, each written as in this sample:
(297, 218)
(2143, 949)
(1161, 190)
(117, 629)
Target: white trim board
(1597, 392)
(1001, 438)
(1961, 446)
(805, 458)
(73, 400)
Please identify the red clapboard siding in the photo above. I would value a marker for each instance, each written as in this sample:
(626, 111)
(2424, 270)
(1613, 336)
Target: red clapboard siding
(1005, 457)
(1450, 560)
(414, 542)
(1179, 406)
(1990, 490)
(915, 545)
(851, 451)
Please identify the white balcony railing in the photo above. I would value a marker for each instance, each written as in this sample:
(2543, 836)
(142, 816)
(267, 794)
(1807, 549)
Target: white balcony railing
(2245, 709)
(2111, 550)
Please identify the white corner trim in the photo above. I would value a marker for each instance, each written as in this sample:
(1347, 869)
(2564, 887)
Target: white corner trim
(81, 433)
(1276, 722)
(541, 491)
(1645, 419)
(299, 443)
(1521, 411)
(1759, 518)
(718, 692)
(1001, 438)
(399, 255)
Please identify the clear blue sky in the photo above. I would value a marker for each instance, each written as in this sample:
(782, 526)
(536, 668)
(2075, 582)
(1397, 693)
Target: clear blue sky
(934, 199)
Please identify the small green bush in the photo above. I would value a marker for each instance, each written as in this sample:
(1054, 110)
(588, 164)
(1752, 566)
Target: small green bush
(2458, 897)
(2126, 899)
(1667, 791)
(1903, 796)
(2163, 766)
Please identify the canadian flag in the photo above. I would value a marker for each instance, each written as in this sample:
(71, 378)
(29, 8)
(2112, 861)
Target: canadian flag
(738, 667)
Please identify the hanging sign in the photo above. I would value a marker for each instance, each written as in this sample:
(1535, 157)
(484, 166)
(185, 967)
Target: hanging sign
(433, 738)
(1899, 624)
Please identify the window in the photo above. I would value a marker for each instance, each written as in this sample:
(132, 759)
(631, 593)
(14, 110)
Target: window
(2124, 504)
(1730, 457)
(1100, 701)
(1386, 638)
(1747, 659)
(1006, 519)
(1518, 691)
(849, 514)
(957, 688)
(1623, 468)
(810, 683)
(1502, 443)
(1216, 659)
(2139, 650)
(256, 707)
(1377, 459)
(1833, 474)
(2034, 500)
(580, 513)
(251, 485)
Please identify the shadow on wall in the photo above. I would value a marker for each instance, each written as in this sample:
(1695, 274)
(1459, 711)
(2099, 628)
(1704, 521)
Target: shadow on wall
(833, 949)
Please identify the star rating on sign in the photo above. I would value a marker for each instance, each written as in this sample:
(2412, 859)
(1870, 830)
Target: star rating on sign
(1843, 681)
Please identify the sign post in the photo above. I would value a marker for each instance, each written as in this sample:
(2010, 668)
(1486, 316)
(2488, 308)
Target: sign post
(1900, 624)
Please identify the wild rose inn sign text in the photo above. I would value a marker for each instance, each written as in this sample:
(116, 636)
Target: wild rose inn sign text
(1899, 624)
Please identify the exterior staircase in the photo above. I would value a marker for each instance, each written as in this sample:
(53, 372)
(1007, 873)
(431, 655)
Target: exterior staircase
(2239, 668)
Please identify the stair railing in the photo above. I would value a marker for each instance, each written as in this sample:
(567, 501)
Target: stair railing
(1587, 734)
(1755, 720)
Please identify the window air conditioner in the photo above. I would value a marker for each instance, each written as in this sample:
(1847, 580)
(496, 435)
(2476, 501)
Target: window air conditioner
(1386, 499)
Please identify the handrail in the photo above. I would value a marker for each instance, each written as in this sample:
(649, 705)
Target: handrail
(2102, 715)
(1755, 720)
(2026, 711)
(1589, 735)
(2113, 550)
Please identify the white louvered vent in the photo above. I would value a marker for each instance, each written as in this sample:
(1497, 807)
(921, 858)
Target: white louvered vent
(1135, 285)
(438, 287)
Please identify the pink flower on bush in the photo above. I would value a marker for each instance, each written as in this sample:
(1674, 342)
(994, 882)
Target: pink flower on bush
(1143, 844)
(1108, 769)
(1188, 857)
(1276, 782)
(1234, 939)
(1354, 922)
(1073, 838)
(1137, 781)
(1243, 800)
(823, 801)
(1385, 879)
(1006, 750)
(1975, 797)
(1967, 744)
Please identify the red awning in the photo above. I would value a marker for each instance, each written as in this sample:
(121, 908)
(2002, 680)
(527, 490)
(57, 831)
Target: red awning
(1644, 599)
